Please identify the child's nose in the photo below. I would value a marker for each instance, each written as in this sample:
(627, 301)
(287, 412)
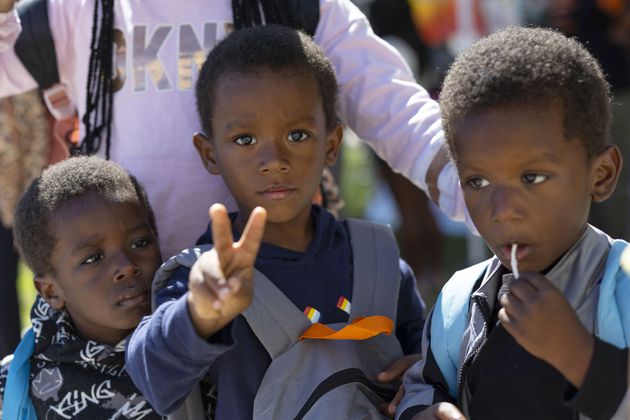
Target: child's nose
(505, 205)
(273, 158)
(125, 268)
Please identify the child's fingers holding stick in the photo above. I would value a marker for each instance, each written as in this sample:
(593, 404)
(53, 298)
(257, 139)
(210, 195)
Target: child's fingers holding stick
(526, 311)
(541, 320)
(517, 301)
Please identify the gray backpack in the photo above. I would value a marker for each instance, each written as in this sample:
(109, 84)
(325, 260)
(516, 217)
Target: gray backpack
(320, 378)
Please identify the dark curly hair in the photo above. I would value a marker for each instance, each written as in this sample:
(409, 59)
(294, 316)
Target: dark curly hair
(531, 67)
(270, 47)
(54, 189)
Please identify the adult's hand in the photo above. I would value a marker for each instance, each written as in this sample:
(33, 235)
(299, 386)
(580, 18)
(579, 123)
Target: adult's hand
(6, 5)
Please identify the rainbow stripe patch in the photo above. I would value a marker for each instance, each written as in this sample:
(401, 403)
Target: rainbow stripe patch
(344, 304)
(312, 314)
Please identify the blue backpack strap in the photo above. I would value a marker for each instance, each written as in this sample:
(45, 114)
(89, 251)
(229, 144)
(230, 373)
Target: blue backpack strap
(613, 310)
(17, 402)
(448, 321)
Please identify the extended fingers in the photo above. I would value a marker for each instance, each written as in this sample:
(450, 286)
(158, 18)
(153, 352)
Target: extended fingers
(221, 230)
(253, 232)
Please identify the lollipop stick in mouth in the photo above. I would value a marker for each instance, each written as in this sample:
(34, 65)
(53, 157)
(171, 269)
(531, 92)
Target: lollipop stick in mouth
(513, 261)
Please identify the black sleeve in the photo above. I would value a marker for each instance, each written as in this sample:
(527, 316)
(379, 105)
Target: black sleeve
(605, 384)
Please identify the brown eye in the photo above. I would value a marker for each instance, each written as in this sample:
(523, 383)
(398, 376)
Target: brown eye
(92, 259)
(296, 136)
(533, 178)
(140, 243)
(246, 140)
(478, 182)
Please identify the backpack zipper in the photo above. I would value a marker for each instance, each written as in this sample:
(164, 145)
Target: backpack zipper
(480, 300)
(340, 378)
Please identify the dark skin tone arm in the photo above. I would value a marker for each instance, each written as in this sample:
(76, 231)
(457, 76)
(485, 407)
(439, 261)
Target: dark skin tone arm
(6, 5)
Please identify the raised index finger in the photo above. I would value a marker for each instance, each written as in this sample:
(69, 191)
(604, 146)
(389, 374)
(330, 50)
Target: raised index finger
(253, 232)
(221, 231)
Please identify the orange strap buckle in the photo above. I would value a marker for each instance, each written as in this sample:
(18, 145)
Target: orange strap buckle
(359, 329)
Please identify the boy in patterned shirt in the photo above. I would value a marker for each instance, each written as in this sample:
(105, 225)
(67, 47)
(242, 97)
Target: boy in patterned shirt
(86, 230)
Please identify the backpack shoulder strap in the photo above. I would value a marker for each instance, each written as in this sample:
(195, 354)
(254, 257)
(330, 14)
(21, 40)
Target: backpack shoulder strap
(186, 258)
(278, 323)
(613, 311)
(275, 320)
(306, 13)
(17, 402)
(35, 46)
(448, 321)
(375, 262)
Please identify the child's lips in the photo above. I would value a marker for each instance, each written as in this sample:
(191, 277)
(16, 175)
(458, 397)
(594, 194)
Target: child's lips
(131, 299)
(521, 252)
(277, 192)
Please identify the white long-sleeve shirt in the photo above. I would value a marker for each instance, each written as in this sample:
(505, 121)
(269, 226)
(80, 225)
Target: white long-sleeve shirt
(159, 48)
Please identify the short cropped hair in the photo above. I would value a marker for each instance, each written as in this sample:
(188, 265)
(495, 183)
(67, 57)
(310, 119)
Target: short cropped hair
(531, 67)
(269, 47)
(55, 188)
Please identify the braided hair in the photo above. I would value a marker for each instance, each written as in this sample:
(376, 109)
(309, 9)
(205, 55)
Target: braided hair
(99, 99)
(248, 13)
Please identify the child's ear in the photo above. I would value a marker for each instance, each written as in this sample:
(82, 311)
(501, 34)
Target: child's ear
(205, 148)
(50, 291)
(333, 143)
(605, 171)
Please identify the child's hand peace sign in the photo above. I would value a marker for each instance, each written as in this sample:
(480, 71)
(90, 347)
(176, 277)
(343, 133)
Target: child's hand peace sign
(220, 282)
